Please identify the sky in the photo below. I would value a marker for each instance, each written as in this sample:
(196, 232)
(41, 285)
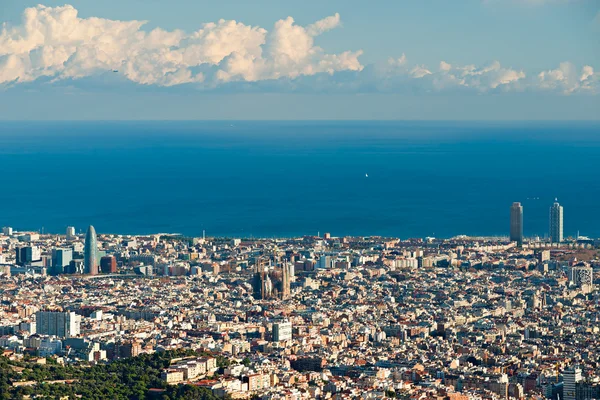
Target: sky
(279, 59)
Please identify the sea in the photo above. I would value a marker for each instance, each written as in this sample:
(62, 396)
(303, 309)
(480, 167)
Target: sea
(248, 179)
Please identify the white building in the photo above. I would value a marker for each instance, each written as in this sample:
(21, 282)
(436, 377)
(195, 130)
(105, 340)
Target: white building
(61, 324)
(49, 346)
(582, 276)
(570, 379)
(71, 233)
(282, 331)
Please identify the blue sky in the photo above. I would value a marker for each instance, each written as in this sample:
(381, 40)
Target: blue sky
(339, 59)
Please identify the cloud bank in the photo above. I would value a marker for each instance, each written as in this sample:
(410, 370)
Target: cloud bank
(53, 44)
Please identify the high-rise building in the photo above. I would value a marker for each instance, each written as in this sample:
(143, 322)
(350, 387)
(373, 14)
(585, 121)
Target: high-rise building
(108, 265)
(61, 324)
(90, 256)
(556, 222)
(571, 377)
(60, 259)
(7, 230)
(71, 233)
(326, 262)
(27, 255)
(516, 223)
(75, 267)
(285, 280)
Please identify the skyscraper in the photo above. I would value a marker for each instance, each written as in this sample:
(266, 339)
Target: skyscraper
(516, 223)
(285, 281)
(556, 222)
(27, 255)
(60, 259)
(70, 233)
(571, 377)
(90, 252)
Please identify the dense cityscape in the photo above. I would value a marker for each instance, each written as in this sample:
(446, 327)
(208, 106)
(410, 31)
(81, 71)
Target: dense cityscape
(313, 317)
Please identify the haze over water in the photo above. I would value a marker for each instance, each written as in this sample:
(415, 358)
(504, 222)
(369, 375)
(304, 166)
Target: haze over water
(247, 179)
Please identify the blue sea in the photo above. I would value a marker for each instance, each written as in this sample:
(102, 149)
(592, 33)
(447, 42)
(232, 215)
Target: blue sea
(281, 179)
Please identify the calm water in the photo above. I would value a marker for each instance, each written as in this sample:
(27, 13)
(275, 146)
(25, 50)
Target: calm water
(295, 178)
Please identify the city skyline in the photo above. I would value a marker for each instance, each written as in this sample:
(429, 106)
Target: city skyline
(515, 231)
(300, 200)
(204, 314)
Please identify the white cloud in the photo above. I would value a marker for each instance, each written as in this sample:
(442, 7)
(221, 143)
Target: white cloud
(398, 61)
(488, 77)
(55, 42)
(419, 71)
(586, 73)
(444, 66)
(567, 79)
(324, 25)
(449, 76)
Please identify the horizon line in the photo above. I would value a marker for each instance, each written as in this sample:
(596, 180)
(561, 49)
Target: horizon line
(301, 120)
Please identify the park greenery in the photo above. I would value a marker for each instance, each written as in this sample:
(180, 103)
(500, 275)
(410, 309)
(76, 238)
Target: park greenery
(130, 378)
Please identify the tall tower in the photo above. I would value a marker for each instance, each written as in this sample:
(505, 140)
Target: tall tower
(90, 252)
(571, 377)
(285, 281)
(556, 222)
(516, 223)
(70, 232)
(260, 280)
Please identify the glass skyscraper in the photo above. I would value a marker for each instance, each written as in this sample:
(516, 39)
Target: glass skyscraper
(60, 259)
(516, 223)
(556, 222)
(90, 256)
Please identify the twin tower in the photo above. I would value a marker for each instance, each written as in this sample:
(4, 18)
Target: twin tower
(516, 223)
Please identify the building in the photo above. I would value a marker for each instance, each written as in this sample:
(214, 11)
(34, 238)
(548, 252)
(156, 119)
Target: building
(282, 331)
(582, 276)
(71, 233)
(123, 349)
(516, 223)
(262, 287)
(571, 377)
(75, 267)
(60, 259)
(542, 255)
(27, 255)
(61, 324)
(325, 262)
(90, 252)
(556, 222)
(172, 375)
(285, 280)
(7, 230)
(108, 265)
(255, 382)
